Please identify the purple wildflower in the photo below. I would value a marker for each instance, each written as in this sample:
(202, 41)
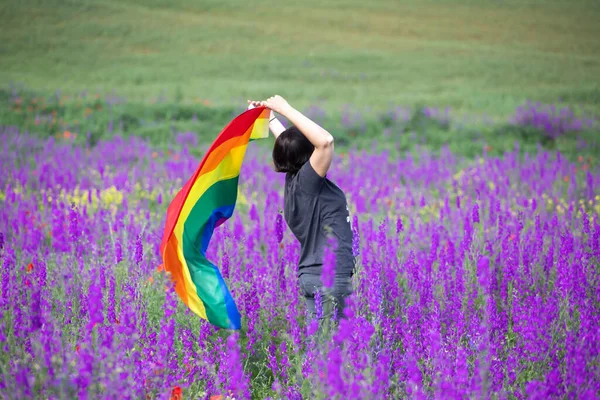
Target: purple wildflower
(476, 213)
(279, 227)
(329, 263)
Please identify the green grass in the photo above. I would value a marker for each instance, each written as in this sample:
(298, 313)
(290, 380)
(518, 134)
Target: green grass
(474, 56)
(90, 118)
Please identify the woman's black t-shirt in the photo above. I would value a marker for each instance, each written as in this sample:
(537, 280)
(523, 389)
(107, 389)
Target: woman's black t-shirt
(315, 207)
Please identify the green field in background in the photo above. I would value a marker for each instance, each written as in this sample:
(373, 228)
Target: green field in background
(474, 56)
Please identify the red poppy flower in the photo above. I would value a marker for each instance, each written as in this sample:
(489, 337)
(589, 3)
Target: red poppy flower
(176, 393)
(29, 267)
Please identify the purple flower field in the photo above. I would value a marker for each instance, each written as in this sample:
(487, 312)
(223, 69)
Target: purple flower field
(476, 279)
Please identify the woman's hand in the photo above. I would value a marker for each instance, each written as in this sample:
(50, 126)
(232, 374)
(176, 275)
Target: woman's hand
(274, 125)
(253, 104)
(277, 104)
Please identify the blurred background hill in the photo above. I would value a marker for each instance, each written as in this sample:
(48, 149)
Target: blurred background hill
(451, 72)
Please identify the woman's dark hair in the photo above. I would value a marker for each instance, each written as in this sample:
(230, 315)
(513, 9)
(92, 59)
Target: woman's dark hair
(291, 151)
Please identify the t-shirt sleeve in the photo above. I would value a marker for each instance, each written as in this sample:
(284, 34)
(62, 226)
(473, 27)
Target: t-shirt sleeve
(308, 179)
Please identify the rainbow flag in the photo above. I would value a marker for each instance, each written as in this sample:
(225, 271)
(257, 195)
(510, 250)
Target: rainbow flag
(205, 202)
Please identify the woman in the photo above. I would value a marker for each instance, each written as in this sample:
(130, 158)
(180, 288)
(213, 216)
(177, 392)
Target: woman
(315, 209)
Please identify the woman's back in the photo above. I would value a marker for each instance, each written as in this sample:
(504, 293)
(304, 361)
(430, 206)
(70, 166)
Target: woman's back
(314, 207)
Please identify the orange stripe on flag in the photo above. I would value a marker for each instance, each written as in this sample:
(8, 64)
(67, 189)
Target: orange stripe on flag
(184, 286)
(217, 155)
(173, 265)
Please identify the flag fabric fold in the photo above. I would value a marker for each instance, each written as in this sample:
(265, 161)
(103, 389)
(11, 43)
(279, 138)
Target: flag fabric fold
(206, 201)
